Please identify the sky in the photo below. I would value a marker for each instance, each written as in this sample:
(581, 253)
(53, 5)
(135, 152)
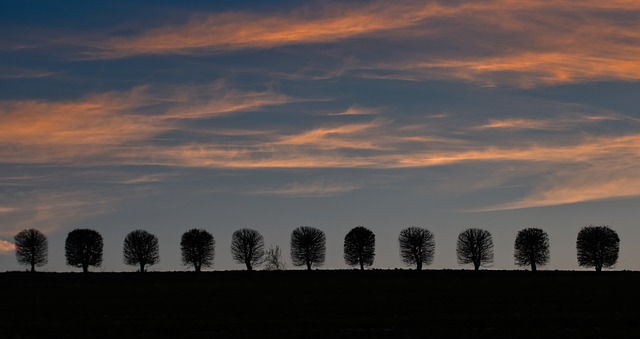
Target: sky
(168, 116)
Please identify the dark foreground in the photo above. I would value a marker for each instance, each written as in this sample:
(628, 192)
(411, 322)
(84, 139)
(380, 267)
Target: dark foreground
(319, 304)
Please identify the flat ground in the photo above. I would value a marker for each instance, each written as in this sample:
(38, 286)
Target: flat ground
(379, 304)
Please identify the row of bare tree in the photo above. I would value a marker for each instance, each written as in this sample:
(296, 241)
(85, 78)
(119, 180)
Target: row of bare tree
(597, 247)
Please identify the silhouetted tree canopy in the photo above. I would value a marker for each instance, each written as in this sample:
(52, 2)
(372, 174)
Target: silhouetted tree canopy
(598, 247)
(141, 248)
(273, 259)
(83, 248)
(247, 247)
(308, 247)
(31, 248)
(532, 248)
(197, 247)
(417, 246)
(475, 246)
(359, 247)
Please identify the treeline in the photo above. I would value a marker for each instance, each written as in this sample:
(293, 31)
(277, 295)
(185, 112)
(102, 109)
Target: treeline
(597, 247)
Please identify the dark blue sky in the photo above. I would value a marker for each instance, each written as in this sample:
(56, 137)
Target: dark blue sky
(271, 115)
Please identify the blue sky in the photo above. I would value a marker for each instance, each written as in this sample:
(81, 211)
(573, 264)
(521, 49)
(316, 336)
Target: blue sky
(273, 115)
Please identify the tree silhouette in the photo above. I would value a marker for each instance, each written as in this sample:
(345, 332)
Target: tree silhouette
(197, 247)
(417, 246)
(83, 248)
(31, 248)
(532, 248)
(475, 246)
(308, 247)
(598, 247)
(359, 247)
(247, 247)
(141, 248)
(273, 259)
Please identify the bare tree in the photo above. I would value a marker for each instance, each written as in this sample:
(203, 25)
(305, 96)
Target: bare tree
(417, 246)
(359, 247)
(598, 246)
(83, 248)
(197, 247)
(31, 248)
(532, 248)
(308, 247)
(141, 248)
(273, 259)
(247, 247)
(475, 246)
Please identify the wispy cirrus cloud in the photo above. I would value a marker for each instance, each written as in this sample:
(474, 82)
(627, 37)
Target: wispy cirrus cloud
(316, 188)
(333, 137)
(498, 42)
(8, 72)
(555, 124)
(35, 131)
(102, 124)
(117, 130)
(525, 69)
(67, 195)
(358, 110)
(517, 124)
(50, 210)
(225, 102)
(525, 44)
(592, 168)
(491, 43)
(240, 30)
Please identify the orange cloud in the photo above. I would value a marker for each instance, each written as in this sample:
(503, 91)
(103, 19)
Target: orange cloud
(251, 157)
(239, 30)
(41, 131)
(517, 123)
(576, 191)
(495, 42)
(526, 43)
(531, 43)
(108, 125)
(224, 101)
(311, 189)
(595, 168)
(339, 136)
(557, 123)
(331, 22)
(4, 210)
(386, 146)
(528, 69)
(36, 131)
(357, 110)
(6, 247)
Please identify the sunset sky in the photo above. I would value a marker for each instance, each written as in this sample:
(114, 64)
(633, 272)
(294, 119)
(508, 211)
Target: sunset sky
(270, 115)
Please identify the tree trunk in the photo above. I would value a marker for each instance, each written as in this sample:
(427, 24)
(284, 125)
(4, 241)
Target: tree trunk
(419, 265)
(141, 268)
(361, 265)
(85, 268)
(248, 263)
(33, 266)
(533, 266)
(308, 265)
(476, 266)
(197, 267)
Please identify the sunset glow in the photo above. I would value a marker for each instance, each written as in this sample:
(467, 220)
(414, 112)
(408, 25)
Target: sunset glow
(334, 114)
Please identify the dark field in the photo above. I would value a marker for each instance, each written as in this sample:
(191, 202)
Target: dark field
(389, 304)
